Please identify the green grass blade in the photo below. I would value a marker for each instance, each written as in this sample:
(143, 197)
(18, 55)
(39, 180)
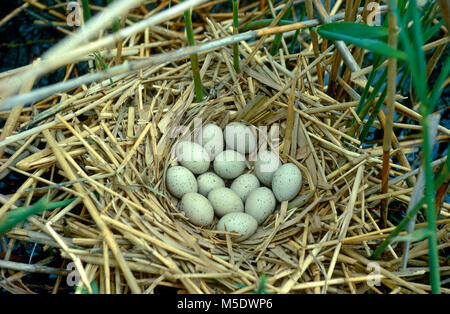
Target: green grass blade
(297, 32)
(22, 211)
(402, 5)
(363, 100)
(413, 56)
(367, 99)
(420, 61)
(352, 29)
(116, 24)
(293, 42)
(94, 287)
(427, 9)
(277, 40)
(372, 116)
(373, 45)
(261, 285)
(196, 76)
(102, 63)
(86, 10)
(189, 29)
(431, 31)
(417, 65)
(437, 88)
(11, 219)
(430, 212)
(194, 58)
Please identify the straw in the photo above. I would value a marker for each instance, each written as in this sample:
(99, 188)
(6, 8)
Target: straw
(109, 146)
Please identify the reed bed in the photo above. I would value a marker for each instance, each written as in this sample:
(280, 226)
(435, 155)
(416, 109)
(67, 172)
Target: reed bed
(107, 145)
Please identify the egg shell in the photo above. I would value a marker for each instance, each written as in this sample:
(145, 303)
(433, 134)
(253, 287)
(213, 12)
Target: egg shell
(209, 181)
(211, 139)
(244, 184)
(225, 201)
(193, 156)
(266, 163)
(238, 222)
(260, 203)
(239, 137)
(179, 181)
(197, 208)
(229, 164)
(286, 182)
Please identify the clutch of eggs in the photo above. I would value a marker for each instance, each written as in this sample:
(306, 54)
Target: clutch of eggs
(249, 199)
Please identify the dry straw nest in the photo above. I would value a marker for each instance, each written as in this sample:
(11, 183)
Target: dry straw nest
(109, 146)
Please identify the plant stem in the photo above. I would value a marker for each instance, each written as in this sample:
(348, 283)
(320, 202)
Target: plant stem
(86, 10)
(297, 32)
(294, 41)
(235, 32)
(387, 130)
(277, 40)
(116, 23)
(197, 79)
(372, 116)
(430, 211)
(194, 57)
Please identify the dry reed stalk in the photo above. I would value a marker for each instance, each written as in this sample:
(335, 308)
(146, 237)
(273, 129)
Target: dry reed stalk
(387, 129)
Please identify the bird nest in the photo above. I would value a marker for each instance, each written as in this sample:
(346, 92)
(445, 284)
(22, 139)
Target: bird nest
(108, 145)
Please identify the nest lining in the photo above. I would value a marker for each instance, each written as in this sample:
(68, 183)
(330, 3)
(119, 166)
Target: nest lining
(117, 140)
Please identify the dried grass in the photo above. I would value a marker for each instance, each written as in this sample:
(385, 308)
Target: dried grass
(109, 145)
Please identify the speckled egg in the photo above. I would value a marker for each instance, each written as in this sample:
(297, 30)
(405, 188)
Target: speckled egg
(266, 163)
(225, 201)
(179, 181)
(211, 138)
(240, 223)
(197, 208)
(209, 181)
(193, 156)
(229, 164)
(239, 137)
(260, 203)
(286, 182)
(244, 184)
